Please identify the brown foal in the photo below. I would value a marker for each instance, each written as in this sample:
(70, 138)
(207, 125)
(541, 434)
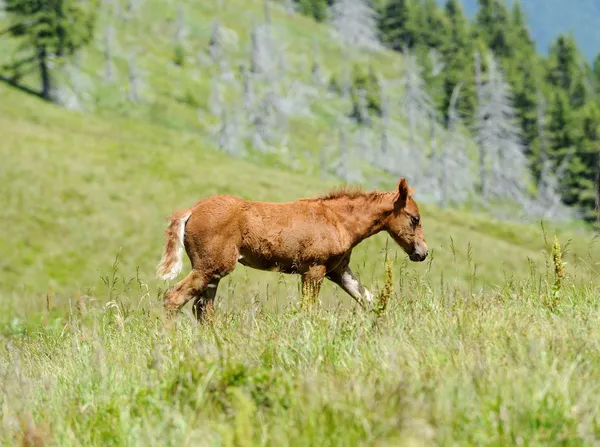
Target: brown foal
(312, 237)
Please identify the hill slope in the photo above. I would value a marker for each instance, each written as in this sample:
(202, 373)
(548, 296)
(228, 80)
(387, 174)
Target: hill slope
(443, 364)
(77, 189)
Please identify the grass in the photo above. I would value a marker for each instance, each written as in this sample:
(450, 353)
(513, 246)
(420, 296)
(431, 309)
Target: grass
(480, 345)
(492, 341)
(519, 366)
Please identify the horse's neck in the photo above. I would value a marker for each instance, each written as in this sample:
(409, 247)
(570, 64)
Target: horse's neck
(363, 216)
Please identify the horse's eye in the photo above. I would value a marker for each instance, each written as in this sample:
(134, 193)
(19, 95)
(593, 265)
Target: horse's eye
(415, 220)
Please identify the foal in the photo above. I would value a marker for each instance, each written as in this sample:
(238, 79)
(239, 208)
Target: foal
(313, 237)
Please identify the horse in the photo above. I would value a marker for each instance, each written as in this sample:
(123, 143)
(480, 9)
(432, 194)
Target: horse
(311, 237)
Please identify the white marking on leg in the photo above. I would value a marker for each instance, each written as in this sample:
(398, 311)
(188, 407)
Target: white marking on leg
(351, 283)
(353, 287)
(212, 286)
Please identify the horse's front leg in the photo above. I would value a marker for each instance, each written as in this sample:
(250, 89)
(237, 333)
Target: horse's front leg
(351, 285)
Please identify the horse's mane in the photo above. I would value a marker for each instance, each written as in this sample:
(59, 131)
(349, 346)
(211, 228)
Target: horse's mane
(352, 192)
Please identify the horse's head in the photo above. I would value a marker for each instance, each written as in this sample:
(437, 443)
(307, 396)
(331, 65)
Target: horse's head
(404, 224)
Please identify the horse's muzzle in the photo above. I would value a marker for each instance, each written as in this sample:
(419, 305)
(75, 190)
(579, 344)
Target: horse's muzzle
(419, 254)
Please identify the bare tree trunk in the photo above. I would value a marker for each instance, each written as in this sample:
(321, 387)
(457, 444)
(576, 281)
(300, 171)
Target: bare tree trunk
(541, 126)
(44, 73)
(482, 149)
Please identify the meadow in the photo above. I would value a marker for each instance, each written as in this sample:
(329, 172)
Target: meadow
(494, 340)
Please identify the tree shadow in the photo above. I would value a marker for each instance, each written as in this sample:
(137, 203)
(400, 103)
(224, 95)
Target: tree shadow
(18, 86)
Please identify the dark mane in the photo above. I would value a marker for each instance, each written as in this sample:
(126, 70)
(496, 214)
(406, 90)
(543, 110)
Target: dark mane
(343, 191)
(351, 192)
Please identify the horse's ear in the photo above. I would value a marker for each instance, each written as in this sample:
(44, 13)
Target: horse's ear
(403, 193)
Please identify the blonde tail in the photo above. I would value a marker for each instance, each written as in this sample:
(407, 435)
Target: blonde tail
(170, 265)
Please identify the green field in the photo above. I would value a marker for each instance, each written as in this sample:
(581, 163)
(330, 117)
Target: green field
(483, 344)
(474, 346)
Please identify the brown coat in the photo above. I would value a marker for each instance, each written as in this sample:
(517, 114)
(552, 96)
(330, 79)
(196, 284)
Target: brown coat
(312, 237)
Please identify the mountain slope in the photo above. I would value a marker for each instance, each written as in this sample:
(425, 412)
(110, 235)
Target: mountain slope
(78, 189)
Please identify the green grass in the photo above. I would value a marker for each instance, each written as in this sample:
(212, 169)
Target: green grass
(436, 368)
(476, 345)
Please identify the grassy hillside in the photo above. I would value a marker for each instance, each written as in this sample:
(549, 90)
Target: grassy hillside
(78, 188)
(181, 97)
(483, 344)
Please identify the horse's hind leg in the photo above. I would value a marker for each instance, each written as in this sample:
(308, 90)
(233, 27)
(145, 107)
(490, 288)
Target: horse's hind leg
(194, 284)
(203, 307)
(311, 284)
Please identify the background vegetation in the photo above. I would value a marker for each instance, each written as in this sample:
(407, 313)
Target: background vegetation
(492, 341)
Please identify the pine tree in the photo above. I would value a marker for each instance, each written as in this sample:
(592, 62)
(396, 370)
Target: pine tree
(525, 78)
(564, 69)
(596, 72)
(524, 75)
(493, 26)
(314, 8)
(431, 24)
(398, 24)
(520, 34)
(584, 170)
(564, 135)
(50, 29)
(456, 53)
(366, 84)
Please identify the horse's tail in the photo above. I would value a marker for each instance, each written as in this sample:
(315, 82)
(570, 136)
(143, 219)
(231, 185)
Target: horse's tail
(170, 264)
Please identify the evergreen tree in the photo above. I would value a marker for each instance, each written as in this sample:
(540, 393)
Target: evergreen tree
(520, 34)
(398, 24)
(366, 84)
(584, 170)
(456, 53)
(314, 8)
(50, 29)
(524, 75)
(564, 136)
(431, 25)
(596, 71)
(493, 26)
(564, 70)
